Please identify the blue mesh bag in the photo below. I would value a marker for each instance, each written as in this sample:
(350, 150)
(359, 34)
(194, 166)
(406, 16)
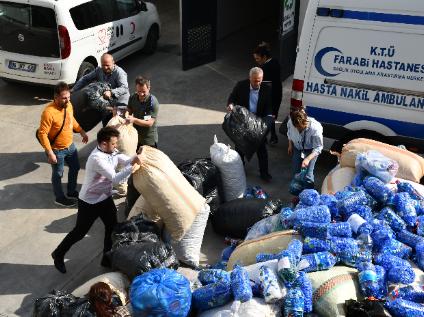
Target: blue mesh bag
(309, 197)
(314, 245)
(398, 270)
(211, 276)
(419, 249)
(312, 229)
(294, 303)
(287, 263)
(270, 286)
(340, 229)
(319, 261)
(313, 214)
(395, 222)
(160, 292)
(377, 189)
(285, 221)
(348, 205)
(331, 202)
(404, 187)
(396, 248)
(369, 280)
(212, 295)
(405, 207)
(409, 238)
(305, 285)
(409, 292)
(402, 307)
(240, 284)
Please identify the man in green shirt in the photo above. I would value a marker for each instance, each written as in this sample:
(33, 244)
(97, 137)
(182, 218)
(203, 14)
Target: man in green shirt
(143, 110)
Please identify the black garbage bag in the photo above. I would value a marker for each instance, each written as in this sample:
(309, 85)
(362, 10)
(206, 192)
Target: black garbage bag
(89, 104)
(204, 176)
(129, 238)
(135, 224)
(214, 201)
(80, 308)
(52, 304)
(132, 196)
(234, 218)
(365, 308)
(201, 173)
(95, 99)
(245, 129)
(137, 259)
(87, 117)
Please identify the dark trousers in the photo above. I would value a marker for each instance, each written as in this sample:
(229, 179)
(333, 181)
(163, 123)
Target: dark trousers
(262, 155)
(87, 214)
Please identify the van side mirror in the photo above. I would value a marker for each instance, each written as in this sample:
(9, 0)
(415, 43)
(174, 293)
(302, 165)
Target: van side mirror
(141, 5)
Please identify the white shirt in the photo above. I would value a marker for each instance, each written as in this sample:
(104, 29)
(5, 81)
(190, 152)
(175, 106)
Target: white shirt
(309, 139)
(100, 175)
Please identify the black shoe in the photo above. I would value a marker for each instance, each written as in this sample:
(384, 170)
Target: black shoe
(65, 202)
(266, 177)
(74, 194)
(273, 140)
(106, 262)
(59, 263)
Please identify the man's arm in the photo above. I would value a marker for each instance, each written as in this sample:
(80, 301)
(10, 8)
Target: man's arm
(122, 84)
(85, 80)
(46, 123)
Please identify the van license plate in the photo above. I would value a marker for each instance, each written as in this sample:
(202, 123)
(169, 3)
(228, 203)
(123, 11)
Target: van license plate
(22, 66)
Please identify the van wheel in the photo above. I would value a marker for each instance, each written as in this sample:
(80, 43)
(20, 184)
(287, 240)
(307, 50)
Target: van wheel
(368, 134)
(85, 68)
(152, 41)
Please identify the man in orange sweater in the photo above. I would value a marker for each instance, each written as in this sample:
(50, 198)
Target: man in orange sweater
(56, 136)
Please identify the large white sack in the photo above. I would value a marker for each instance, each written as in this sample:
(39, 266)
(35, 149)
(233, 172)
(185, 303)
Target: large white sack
(167, 191)
(128, 136)
(118, 281)
(231, 169)
(411, 165)
(188, 248)
(337, 179)
(256, 307)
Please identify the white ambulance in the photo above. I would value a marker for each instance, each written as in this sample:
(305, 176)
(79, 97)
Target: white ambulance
(360, 70)
(46, 41)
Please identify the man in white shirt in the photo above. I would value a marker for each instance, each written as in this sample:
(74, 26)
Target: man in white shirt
(95, 198)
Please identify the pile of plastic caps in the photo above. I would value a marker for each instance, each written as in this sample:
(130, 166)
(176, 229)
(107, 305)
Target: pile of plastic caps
(368, 226)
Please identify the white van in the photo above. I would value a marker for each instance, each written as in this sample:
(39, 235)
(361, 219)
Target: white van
(360, 70)
(46, 41)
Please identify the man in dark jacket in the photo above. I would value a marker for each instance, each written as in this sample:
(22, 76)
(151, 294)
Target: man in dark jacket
(257, 98)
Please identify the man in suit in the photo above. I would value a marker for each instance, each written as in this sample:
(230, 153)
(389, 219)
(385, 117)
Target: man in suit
(249, 93)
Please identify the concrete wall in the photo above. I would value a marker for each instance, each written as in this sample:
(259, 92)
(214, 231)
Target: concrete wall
(234, 15)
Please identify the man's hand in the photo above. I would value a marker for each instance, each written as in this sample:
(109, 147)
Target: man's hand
(230, 107)
(107, 94)
(51, 157)
(136, 160)
(305, 163)
(130, 119)
(84, 137)
(135, 168)
(114, 111)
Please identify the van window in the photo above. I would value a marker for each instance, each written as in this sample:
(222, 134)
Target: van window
(126, 8)
(97, 12)
(28, 29)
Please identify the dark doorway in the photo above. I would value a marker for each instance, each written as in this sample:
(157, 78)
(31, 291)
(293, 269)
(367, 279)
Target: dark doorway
(198, 32)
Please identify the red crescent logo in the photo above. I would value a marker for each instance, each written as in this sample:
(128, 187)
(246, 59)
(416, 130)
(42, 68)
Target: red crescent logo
(133, 27)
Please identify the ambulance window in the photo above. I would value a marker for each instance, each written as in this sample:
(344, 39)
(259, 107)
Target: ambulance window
(126, 8)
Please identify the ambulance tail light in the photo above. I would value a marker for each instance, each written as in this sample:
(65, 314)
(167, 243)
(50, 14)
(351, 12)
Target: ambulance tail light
(297, 93)
(64, 42)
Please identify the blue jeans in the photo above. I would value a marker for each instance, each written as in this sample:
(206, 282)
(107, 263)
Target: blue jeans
(70, 157)
(297, 164)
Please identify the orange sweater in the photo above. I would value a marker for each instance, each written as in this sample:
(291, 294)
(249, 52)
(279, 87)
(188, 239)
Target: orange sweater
(50, 123)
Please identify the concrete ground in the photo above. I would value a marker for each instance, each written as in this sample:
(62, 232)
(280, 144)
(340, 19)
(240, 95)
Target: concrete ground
(191, 113)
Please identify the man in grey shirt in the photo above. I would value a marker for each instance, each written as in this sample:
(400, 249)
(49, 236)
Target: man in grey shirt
(111, 74)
